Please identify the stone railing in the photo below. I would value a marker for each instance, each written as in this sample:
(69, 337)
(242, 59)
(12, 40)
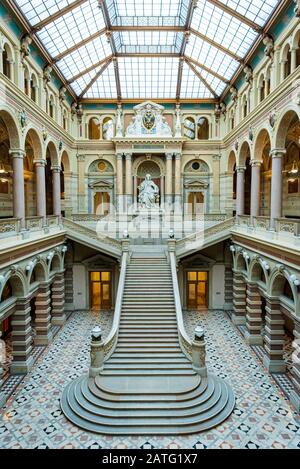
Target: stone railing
(107, 243)
(202, 237)
(282, 227)
(12, 226)
(112, 338)
(184, 340)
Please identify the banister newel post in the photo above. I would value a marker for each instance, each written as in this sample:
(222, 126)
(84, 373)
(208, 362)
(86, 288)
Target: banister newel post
(199, 352)
(97, 352)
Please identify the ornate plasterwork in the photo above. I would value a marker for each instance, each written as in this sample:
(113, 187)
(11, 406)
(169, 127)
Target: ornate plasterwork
(148, 121)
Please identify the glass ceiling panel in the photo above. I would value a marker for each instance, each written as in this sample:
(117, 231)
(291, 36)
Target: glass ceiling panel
(38, 10)
(84, 57)
(82, 82)
(217, 85)
(151, 42)
(145, 12)
(105, 86)
(148, 77)
(223, 28)
(212, 57)
(191, 86)
(256, 10)
(71, 28)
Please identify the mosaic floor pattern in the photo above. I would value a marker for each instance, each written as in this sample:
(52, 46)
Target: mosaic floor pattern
(263, 418)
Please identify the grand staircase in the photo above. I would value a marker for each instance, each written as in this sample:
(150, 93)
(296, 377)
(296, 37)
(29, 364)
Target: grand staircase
(148, 386)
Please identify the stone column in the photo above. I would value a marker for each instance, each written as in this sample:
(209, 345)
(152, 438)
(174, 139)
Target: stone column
(40, 188)
(119, 188)
(58, 300)
(21, 338)
(128, 181)
(274, 338)
(239, 299)
(293, 59)
(216, 183)
(43, 317)
(240, 190)
(169, 182)
(253, 316)
(178, 195)
(255, 188)
(56, 190)
(282, 70)
(276, 185)
(81, 184)
(295, 394)
(18, 185)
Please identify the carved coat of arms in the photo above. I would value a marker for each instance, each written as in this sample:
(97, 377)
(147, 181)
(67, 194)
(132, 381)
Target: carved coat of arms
(148, 119)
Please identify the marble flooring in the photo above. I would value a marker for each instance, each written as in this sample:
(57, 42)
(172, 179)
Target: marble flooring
(263, 417)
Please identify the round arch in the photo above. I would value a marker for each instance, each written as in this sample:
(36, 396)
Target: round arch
(12, 128)
(283, 125)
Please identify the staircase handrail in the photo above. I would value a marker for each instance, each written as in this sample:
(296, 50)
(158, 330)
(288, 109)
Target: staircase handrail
(184, 340)
(111, 340)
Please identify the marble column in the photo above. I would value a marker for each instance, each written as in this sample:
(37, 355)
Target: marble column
(18, 185)
(253, 316)
(178, 195)
(58, 300)
(295, 394)
(239, 299)
(293, 59)
(40, 188)
(276, 185)
(255, 187)
(216, 183)
(128, 181)
(240, 190)
(119, 188)
(56, 190)
(43, 316)
(21, 338)
(169, 179)
(274, 338)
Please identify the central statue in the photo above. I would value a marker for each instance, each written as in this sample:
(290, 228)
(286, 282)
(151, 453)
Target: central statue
(148, 193)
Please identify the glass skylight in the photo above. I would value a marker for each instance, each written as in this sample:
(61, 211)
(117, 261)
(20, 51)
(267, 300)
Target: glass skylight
(71, 28)
(147, 39)
(149, 77)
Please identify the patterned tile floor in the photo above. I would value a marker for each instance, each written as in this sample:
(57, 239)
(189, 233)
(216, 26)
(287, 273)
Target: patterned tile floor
(262, 418)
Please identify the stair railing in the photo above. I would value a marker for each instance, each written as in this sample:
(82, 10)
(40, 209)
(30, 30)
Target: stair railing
(111, 340)
(184, 340)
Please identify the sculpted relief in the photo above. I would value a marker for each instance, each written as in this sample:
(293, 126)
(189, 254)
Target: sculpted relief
(148, 121)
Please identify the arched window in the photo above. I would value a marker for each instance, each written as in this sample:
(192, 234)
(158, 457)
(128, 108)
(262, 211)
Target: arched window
(6, 61)
(6, 292)
(65, 120)
(51, 107)
(26, 82)
(94, 129)
(287, 64)
(108, 128)
(33, 88)
(189, 128)
(287, 291)
(245, 106)
(203, 129)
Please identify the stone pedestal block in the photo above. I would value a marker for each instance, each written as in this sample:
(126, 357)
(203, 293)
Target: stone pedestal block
(58, 300)
(253, 317)
(21, 338)
(239, 300)
(43, 316)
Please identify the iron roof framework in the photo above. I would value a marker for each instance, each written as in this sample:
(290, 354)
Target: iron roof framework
(138, 49)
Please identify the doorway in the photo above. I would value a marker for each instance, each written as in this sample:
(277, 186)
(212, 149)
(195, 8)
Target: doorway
(197, 290)
(100, 290)
(196, 203)
(101, 203)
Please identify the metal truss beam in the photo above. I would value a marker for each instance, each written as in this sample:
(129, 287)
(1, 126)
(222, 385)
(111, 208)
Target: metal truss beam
(78, 45)
(56, 15)
(215, 44)
(206, 69)
(198, 74)
(236, 15)
(90, 69)
(98, 74)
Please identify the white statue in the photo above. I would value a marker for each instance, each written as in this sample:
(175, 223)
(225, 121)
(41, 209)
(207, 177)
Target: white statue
(178, 121)
(148, 193)
(269, 47)
(119, 124)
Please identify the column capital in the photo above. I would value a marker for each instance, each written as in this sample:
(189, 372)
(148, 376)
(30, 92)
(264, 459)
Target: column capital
(40, 162)
(17, 153)
(128, 156)
(169, 156)
(216, 157)
(56, 168)
(255, 163)
(80, 157)
(277, 152)
(178, 156)
(119, 156)
(240, 169)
